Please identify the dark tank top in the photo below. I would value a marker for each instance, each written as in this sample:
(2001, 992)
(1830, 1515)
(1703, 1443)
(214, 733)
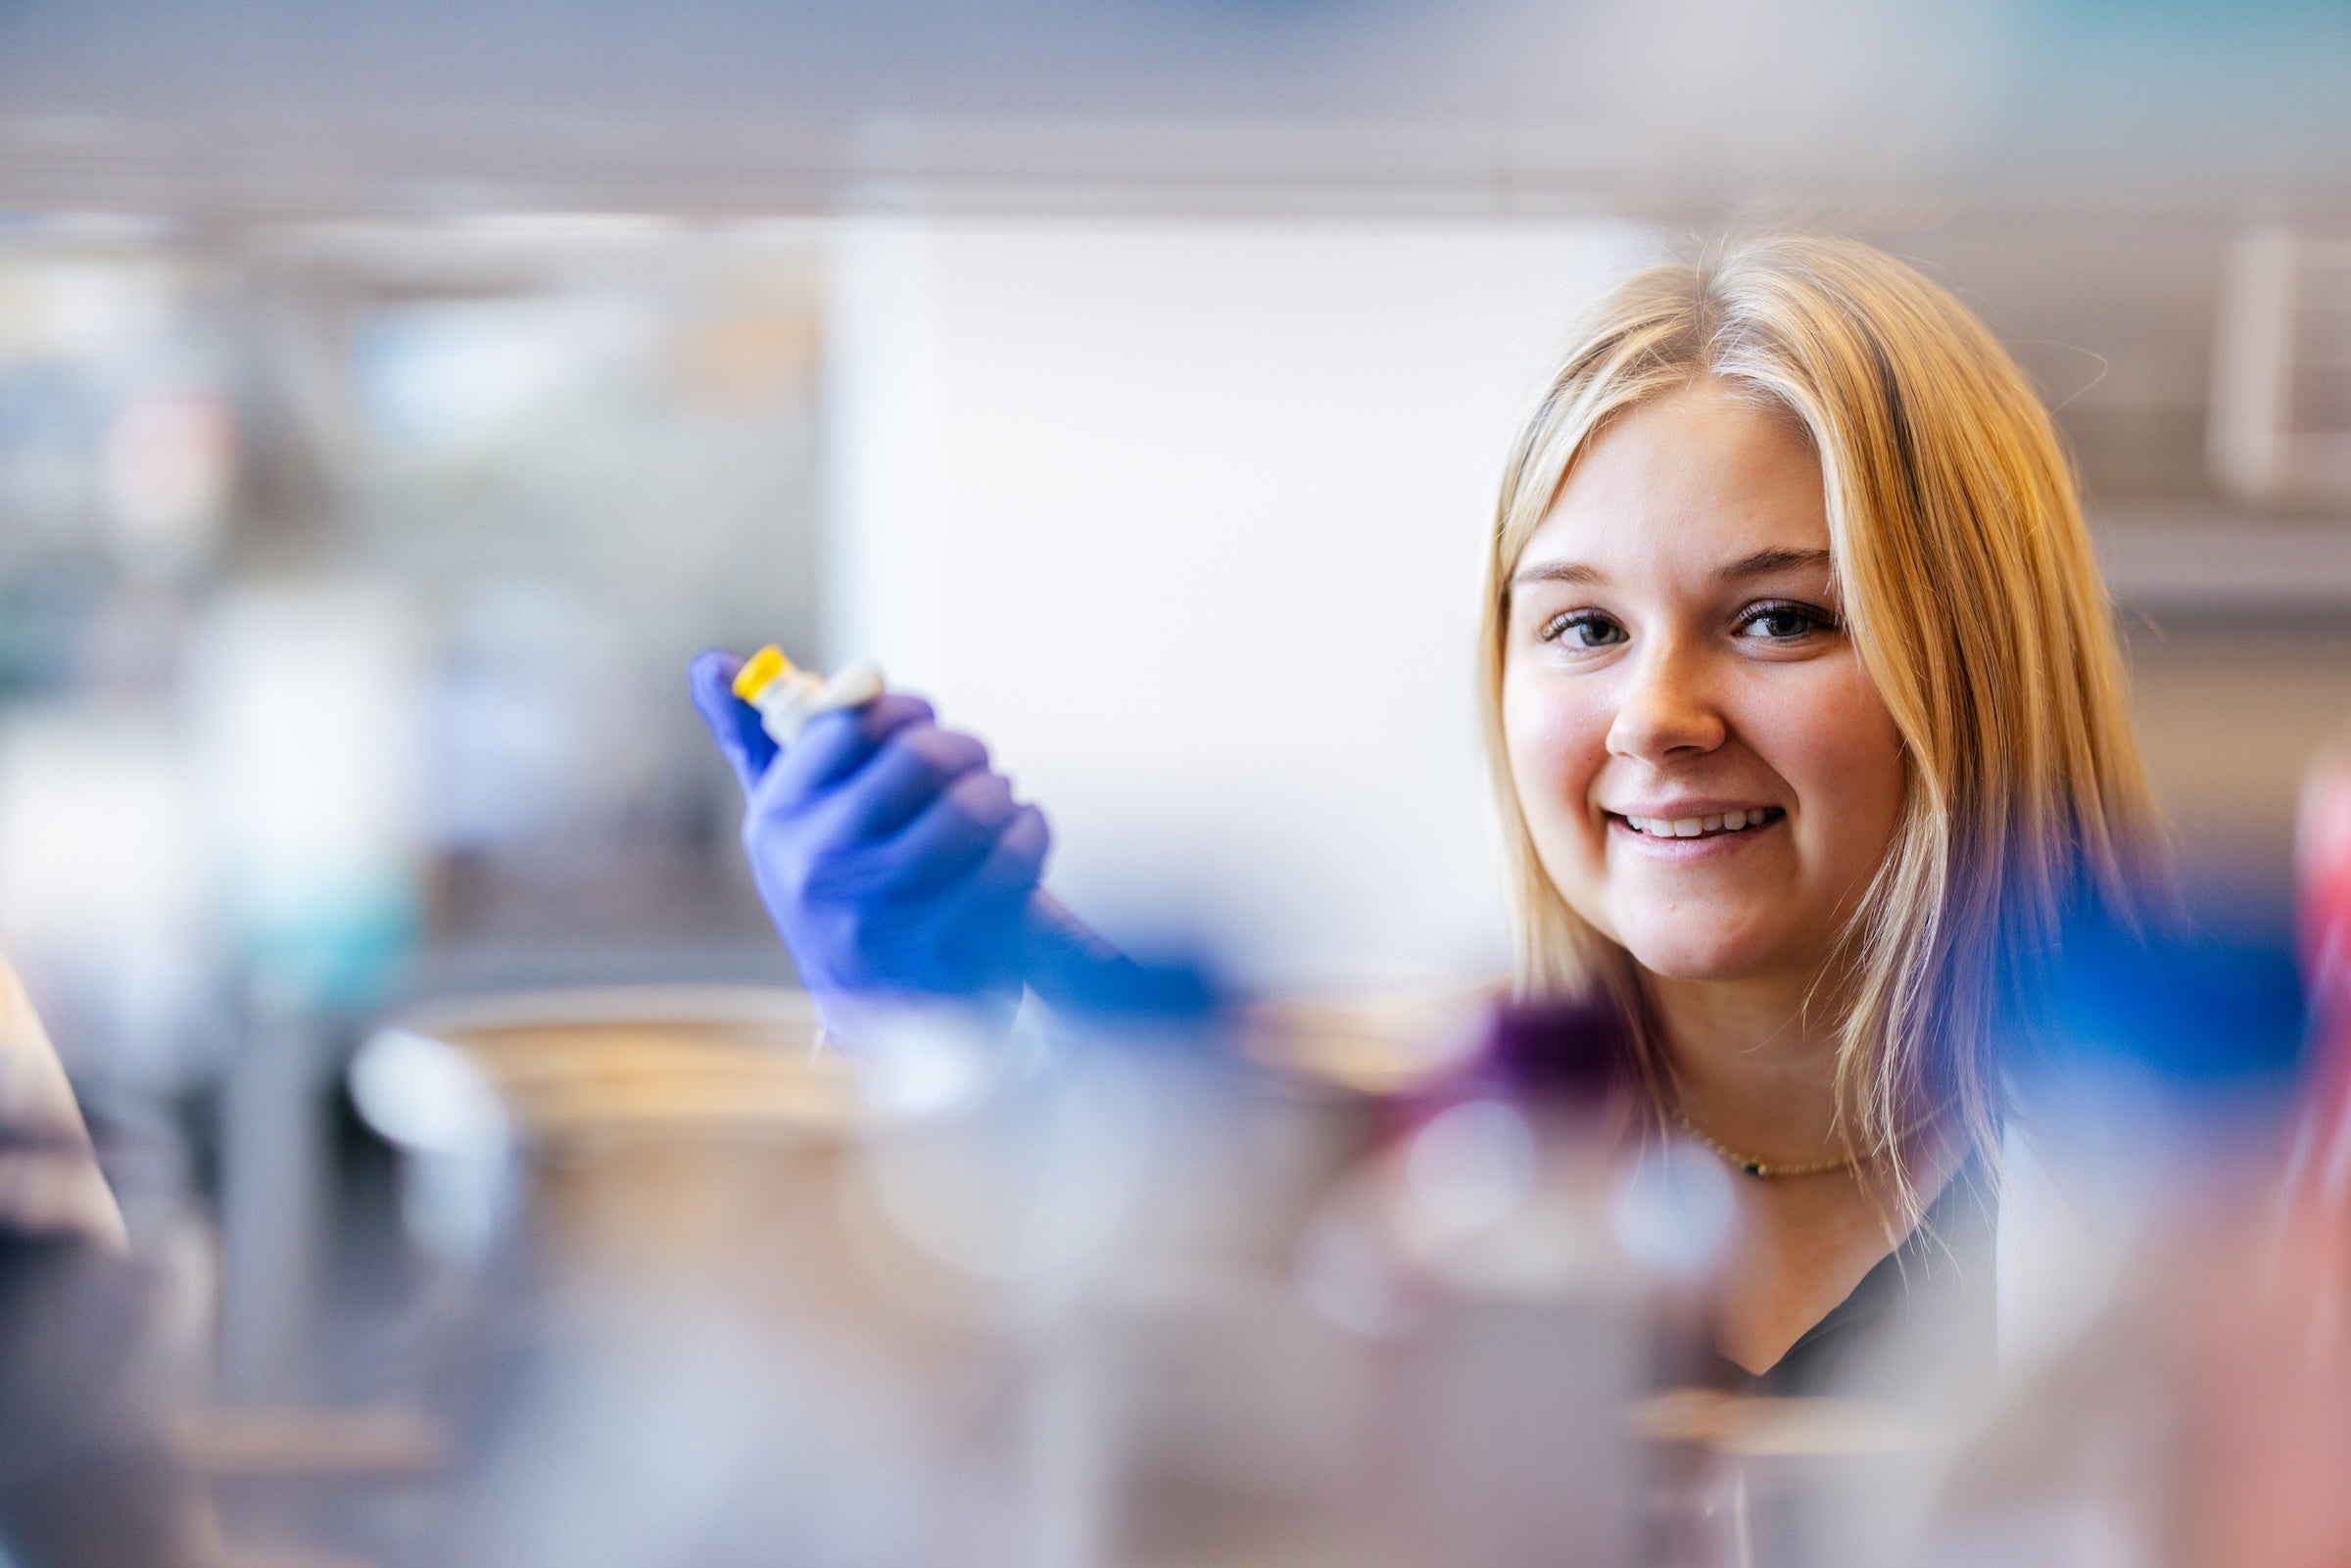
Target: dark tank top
(1920, 1325)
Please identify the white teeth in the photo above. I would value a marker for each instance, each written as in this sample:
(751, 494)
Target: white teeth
(1696, 826)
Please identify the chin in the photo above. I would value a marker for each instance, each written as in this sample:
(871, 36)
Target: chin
(1682, 955)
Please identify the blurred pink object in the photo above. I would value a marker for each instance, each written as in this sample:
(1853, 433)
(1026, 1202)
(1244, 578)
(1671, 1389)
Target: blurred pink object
(2319, 1174)
(2324, 852)
(2313, 1247)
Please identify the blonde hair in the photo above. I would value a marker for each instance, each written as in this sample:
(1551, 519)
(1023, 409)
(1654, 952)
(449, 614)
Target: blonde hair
(1974, 603)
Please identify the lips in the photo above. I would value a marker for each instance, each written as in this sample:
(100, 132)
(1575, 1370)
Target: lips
(1710, 824)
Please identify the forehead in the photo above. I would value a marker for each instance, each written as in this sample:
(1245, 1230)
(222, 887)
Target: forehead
(1696, 478)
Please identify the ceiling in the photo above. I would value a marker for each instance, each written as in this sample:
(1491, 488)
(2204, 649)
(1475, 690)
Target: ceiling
(1696, 108)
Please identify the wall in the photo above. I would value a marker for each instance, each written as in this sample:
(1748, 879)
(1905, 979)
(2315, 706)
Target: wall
(1185, 519)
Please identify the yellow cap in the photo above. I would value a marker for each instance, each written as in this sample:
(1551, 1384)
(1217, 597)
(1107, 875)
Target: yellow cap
(761, 670)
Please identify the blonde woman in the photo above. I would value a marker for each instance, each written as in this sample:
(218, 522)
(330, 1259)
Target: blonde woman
(1806, 713)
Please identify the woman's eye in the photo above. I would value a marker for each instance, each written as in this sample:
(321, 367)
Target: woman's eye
(1785, 623)
(1583, 629)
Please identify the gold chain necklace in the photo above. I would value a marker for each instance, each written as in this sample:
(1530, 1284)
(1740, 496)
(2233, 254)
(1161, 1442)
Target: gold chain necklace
(1764, 1169)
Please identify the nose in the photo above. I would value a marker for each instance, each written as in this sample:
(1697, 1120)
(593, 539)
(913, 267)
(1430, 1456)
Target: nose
(1665, 711)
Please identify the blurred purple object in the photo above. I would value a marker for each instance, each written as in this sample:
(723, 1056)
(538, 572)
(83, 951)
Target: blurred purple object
(1573, 1051)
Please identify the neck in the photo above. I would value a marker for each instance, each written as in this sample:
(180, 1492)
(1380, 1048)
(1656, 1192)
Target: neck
(1751, 1064)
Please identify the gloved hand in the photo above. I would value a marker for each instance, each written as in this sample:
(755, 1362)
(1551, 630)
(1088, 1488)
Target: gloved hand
(894, 861)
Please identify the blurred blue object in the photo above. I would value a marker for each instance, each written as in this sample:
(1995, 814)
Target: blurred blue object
(2201, 1012)
(1075, 970)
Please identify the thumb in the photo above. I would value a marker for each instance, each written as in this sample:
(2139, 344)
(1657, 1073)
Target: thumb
(733, 723)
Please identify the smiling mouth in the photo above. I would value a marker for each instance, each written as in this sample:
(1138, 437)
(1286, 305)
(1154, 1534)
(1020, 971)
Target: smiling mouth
(1730, 822)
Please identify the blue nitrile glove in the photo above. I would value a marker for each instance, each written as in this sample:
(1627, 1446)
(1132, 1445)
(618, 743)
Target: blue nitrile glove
(894, 861)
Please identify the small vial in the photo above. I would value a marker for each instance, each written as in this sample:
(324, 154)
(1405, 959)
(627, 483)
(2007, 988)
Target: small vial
(787, 697)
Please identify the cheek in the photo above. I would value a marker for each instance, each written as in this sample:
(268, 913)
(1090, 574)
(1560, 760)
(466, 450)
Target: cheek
(1556, 746)
(1844, 756)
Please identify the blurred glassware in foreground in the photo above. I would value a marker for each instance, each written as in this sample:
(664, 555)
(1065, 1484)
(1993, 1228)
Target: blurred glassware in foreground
(92, 1381)
(1355, 1287)
(1525, 1259)
(1357, 1284)
(2168, 1400)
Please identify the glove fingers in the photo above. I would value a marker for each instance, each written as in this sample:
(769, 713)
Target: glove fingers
(1017, 863)
(832, 747)
(951, 834)
(906, 775)
(982, 921)
(733, 724)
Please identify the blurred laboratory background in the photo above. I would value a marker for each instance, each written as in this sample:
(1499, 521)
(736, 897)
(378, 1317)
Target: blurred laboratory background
(393, 400)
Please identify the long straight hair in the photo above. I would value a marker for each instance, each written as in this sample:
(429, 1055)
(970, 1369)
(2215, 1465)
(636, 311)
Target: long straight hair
(1975, 604)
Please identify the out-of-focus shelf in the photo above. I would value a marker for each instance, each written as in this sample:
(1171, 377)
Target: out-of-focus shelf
(2188, 563)
(675, 1060)
(285, 1445)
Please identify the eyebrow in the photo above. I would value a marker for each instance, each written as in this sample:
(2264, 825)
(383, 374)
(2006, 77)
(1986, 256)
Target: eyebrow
(1560, 572)
(1762, 563)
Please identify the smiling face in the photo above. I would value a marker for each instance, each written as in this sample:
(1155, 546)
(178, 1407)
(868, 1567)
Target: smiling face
(1708, 776)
